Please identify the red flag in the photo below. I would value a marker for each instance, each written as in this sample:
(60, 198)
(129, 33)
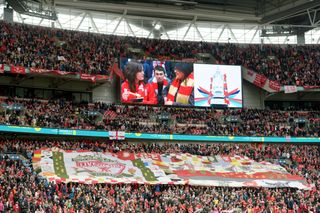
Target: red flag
(58, 72)
(115, 69)
(37, 70)
(260, 80)
(102, 77)
(1, 68)
(88, 77)
(18, 70)
(311, 87)
(274, 85)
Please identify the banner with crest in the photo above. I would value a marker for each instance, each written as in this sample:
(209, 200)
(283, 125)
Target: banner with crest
(122, 167)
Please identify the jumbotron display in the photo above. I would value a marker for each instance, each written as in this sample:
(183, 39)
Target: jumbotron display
(181, 84)
(217, 85)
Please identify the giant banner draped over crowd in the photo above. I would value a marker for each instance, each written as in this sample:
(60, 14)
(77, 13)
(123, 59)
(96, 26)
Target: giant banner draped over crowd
(94, 167)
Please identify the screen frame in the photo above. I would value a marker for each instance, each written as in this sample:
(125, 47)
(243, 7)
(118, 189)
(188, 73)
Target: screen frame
(118, 92)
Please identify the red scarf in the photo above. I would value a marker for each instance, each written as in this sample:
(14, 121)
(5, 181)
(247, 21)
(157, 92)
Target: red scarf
(155, 84)
(181, 93)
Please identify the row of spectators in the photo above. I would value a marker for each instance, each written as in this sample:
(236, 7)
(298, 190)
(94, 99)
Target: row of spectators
(55, 49)
(99, 116)
(22, 190)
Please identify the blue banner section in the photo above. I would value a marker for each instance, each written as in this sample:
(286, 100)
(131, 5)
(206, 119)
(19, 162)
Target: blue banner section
(149, 136)
(22, 129)
(246, 139)
(87, 133)
(91, 133)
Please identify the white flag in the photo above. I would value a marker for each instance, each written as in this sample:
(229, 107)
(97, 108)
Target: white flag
(290, 89)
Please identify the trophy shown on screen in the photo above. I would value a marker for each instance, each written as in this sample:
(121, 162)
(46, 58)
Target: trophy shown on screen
(212, 83)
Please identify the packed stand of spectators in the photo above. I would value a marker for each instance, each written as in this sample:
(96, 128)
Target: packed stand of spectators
(55, 49)
(289, 65)
(100, 116)
(22, 190)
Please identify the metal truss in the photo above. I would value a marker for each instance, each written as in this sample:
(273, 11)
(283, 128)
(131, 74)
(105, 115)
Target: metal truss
(168, 27)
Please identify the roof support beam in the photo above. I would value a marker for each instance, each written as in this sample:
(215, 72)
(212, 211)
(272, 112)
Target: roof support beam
(222, 30)
(312, 19)
(129, 27)
(254, 35)
(75, 17)
(59, 23)
(232, 34)
(187, 30)
(199, 34)
(20, 17)
(165, 31)
(93, 23)
(40, 22)
(85, 14)
(152, 30)
(120, 20)
(314, 16)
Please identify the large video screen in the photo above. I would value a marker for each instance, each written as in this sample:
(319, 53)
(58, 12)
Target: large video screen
(180, 84)
(217, 85)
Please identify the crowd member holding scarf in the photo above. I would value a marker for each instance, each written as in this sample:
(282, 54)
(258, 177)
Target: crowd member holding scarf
(133, 89)
(182, 87)
(160, 83)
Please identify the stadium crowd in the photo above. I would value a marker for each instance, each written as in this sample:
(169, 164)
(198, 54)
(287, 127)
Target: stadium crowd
(99, 116)
(22, 190)
(54, 49)
(288, 65)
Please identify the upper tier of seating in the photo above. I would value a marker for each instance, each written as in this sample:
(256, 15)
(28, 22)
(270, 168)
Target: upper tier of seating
(56, 49)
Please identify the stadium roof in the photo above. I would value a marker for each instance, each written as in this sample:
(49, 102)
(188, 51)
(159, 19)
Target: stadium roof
(298, 12)
(239, 21)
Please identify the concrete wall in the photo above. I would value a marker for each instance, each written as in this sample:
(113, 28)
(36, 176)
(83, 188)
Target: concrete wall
(46, 83)
(299, 96)
(105, 93)
(253, 96)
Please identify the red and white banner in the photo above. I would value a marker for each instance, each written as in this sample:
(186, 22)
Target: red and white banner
(290, 89)
(311, 87)
(189, 60)
(260, 80)
(88, 77)
(40, 71)
(33, 70)
(175, 168)
(1, 68)
(18, 70)
(58, 72)
(274, 85)
(102, 77)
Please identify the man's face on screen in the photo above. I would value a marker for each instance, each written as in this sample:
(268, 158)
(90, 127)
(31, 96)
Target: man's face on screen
(159, 75)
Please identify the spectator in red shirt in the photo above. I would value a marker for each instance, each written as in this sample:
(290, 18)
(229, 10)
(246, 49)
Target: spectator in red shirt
(133, 89)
